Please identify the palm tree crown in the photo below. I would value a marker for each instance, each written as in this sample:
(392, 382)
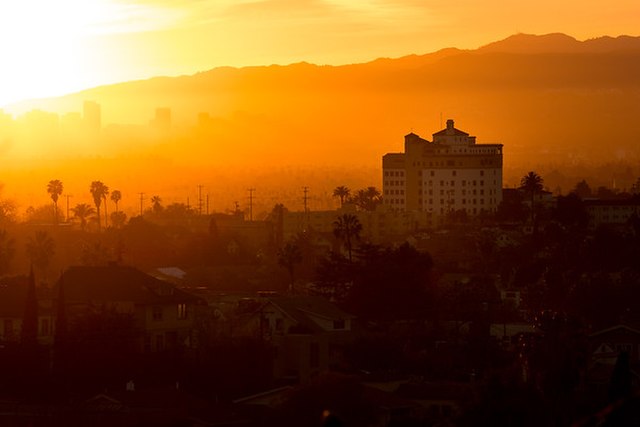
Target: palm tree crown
(343, 193)
(346, 228)
(116, 196)
(83, 212)
(532, 184)
(99, 191)
(55, 188)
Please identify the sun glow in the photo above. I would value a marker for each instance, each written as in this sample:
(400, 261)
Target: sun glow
(49, 48)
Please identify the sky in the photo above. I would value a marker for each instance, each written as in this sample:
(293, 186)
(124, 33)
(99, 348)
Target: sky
(50, 48)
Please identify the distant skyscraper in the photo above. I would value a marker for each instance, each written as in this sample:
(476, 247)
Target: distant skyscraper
(92, 115)
(162, 119)
(452, 173)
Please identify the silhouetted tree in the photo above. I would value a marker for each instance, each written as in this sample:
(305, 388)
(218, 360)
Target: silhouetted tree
(116, 196)
(288, 257)
(40, 250)
(347, 228)
(531, 183)
(29, 331)
(276, 216)
(156, 203)
(343, 193)
(118, 219)
(55, 188)
(367, 199)
(582, 189)
(7, 251)
(99, 192)
(83, 212)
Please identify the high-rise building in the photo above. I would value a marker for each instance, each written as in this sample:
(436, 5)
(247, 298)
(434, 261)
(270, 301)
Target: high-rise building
(449, 174)
(92, 115)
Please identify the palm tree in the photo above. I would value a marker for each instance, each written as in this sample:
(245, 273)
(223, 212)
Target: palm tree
(116, 196)
(40, 250)
(54, 188)
(83, 212)
(531, 183)
(342, 192)
(99, 191)
(368, 199)
(288, 257)
(346, 228)
(156, 203)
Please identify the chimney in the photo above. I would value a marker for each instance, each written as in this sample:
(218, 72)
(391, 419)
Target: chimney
(450, 124)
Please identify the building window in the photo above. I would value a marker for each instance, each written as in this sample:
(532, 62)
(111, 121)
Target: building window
(432, 172)
(280, 325)
(453, 173)
(339, 324)
(441, 183)
(481, 173)
(453, 183)
(156, 313)
(481, 183)
(182, 311)
(464, 183)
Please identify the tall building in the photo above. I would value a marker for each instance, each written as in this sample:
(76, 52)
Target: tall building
(92, 115)
(450, 174)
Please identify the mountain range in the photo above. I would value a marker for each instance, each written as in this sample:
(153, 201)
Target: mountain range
(551, 100)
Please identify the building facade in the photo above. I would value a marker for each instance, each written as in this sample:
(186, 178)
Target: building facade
(449, 174)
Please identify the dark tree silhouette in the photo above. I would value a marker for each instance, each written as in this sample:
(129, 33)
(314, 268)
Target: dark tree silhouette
(343, 193)
(288, 257)
(83, 212)
(40, 250)
(99, 192)
(531, 183)
(347, 228)
(367, 199)
(156, 204)
(7, 251)
(29, 331)
(55, 188)
(116, 196)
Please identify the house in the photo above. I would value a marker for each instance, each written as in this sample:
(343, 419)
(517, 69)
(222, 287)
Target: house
(308, 333)
(607, 343)
(163, 314)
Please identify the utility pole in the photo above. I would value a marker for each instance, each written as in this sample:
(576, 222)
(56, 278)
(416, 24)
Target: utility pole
(251, 190)
(306, 190)
(207, 203)
(200, 199)
(68, 196)
(141, 202)
(306, 210)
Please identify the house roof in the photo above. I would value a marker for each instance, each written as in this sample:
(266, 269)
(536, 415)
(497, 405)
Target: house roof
(119, 283)
(453, 131)
(614, 328)
(302, 308)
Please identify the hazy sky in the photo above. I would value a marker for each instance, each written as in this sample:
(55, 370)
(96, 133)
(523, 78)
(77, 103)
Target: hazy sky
(55, 47)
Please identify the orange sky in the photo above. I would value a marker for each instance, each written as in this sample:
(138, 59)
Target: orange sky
(51, 48)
